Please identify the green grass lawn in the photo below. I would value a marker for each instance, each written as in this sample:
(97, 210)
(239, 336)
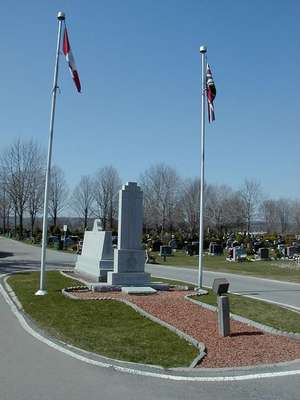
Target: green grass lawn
(279, 270)
(259, 311)
(109, 328)
(265, 313)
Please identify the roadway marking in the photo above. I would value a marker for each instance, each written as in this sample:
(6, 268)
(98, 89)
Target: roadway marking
(133, 371)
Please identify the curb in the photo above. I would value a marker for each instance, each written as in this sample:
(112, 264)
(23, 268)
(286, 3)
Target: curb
(250, 322)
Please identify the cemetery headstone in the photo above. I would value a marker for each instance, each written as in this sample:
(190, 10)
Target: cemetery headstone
(256, 246)
(291, 251)
(165, 251)
(173, 244)
(129, 257)
(215, 249)
(195, 248)
(192, 248)
(239, 253)
(96, 257)
(263, 253)
(282, 249)
(230, 253)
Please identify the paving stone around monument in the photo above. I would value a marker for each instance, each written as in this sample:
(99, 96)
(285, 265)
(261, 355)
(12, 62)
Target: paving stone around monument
(138, 290)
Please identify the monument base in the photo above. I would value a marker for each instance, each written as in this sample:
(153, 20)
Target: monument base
(93, 269)
(128, 278)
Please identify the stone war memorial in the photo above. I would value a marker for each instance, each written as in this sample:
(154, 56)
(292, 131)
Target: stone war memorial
(125, 268)
(96, 258)
(129, 257)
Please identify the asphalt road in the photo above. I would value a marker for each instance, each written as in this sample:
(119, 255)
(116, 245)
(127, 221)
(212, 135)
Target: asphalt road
(284, 293)
(30, 370)
(17, 256)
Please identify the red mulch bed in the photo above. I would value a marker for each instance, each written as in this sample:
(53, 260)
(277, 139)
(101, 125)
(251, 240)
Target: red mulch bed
(244, 347)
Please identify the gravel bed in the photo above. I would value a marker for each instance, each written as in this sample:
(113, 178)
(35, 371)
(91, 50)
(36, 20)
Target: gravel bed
(245, 346)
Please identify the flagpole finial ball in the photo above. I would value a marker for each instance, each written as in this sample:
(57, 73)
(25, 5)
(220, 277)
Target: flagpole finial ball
(61, 16)
(203, 49)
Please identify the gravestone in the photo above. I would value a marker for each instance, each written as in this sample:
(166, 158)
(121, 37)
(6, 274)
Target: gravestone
(192, 249)
(239, 253)
(291, 251)
(215, 249)
(173, 244)
(165, 251)
(129, 257)
(263, 253)
(282, 249)
(195, 246)
(96, 257)
(257, 246)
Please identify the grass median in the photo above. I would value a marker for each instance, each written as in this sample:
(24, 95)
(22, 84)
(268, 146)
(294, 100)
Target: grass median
(109, 328)
(257, 310)
(282, 270)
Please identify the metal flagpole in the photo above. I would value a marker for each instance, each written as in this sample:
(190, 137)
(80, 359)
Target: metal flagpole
(42, 291)
(201, 230)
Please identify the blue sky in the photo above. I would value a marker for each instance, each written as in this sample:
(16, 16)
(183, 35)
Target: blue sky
(139, 65)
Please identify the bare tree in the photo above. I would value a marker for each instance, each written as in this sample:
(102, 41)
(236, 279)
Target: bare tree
(234, 213)
(18, 162)
(36, 189)
(283, 210)
(106, 185)
(269, 213)
(250, 194)
(219, 208)
(190, 205)
(296, 215)
(161, 187)
(82, 198)
(58, 193)
(5, 201)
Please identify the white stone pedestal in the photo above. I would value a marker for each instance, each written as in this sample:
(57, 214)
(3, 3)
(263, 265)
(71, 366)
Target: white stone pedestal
(96, 258)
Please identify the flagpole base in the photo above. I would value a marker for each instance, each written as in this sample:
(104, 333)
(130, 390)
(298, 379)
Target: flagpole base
(200, 291)
(41, 292)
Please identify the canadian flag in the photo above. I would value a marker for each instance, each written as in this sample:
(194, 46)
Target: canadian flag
(70, 60)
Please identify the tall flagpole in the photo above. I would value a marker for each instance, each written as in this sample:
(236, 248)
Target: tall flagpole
(42, 290)
(201, 230)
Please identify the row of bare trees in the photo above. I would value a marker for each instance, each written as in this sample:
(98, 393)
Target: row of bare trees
(22, 174)
(22, 183)
(96, 196)
(171, 204)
